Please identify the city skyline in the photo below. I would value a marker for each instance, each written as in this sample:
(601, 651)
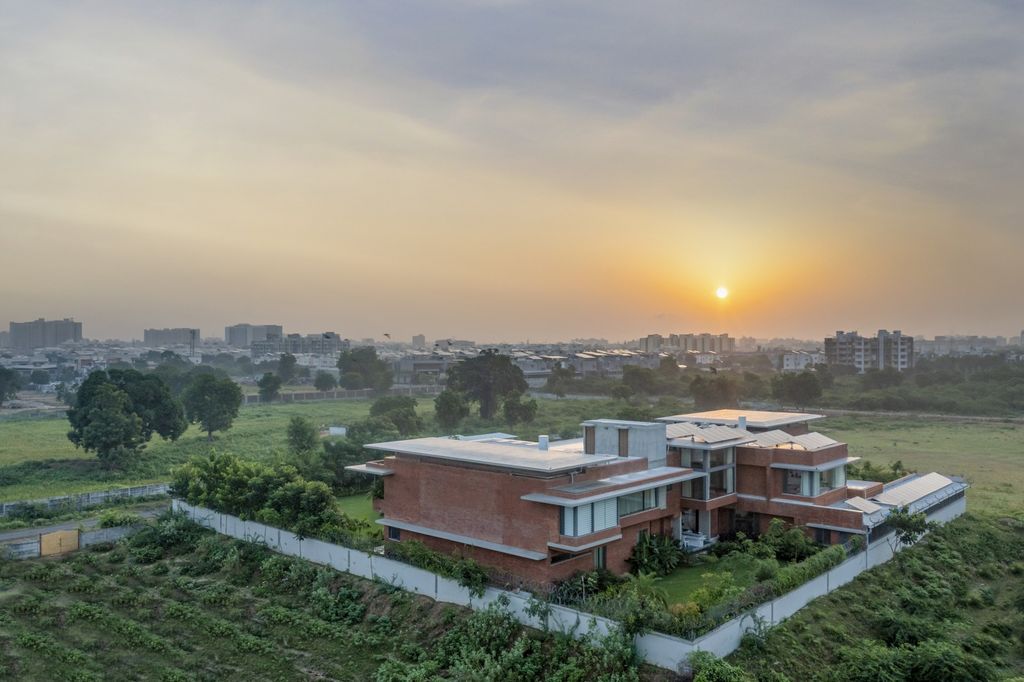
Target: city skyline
(505, 170)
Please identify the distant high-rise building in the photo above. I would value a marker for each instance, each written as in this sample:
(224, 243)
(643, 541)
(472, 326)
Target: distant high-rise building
(5, 339)
(419, 341)
(882, 351)
(651, 343)
(705, 343)
(180, 336)
(44, 333)
(244, 335)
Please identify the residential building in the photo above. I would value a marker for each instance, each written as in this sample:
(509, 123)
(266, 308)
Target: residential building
(244, 335)
(325, 343)
(883, 351)
(419, 341)
(960, 345)
(44, 333)
(700, 358)
(537, 512)
(181, 336)
(651, 343)
(705, 343)
(800, 360)
(5, 339)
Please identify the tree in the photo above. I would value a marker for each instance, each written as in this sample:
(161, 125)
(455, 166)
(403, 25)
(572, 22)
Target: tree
(488, 379)
(715, 392)
(286, 367)
(797, 389)
(212, 402)
(401, 410)
(39, 377)
(110, 428)
(372, 372)
(10, 382)
(640, 379)
(303, 436)
(560, 380)
(146, 397)
(668, 367)
(450, 409)
(325, 381)
(622, 392)
(270, 387)
(884, 378)
(517, 411)
(908, 527)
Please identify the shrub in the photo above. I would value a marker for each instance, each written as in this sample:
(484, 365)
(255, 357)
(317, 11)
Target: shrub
(657, 554)
(113, 518)
(792, 576)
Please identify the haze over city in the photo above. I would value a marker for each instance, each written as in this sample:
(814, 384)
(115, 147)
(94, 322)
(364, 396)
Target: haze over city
(505, 170)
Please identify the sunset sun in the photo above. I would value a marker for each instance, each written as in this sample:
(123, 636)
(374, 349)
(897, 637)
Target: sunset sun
(722, 292)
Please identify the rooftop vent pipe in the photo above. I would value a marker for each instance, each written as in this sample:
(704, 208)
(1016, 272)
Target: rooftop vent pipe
(542, 442)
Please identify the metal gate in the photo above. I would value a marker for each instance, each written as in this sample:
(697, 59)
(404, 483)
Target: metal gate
(58, 542)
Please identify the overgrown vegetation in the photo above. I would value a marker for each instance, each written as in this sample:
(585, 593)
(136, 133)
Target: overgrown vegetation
(177, 603)
(950, 608)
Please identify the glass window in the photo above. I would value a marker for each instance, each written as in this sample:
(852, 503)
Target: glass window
(601, 557)
(694, 489)
(723, 457)
(797, 483)
(394, 533)
(832, 479)
(723, 482)
(641, 501)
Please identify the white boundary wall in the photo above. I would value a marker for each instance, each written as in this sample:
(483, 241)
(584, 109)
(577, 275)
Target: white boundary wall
(664, 651)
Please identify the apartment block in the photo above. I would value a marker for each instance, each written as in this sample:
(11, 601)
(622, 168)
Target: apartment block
(244, 335)
(537, 512)
(181, 336)
(800, 360)
(44, 333)
(883, 351)
(325, 343)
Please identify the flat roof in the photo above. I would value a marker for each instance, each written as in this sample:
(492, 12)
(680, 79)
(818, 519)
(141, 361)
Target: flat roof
(623, 423)
(758, 419)
(505, 454)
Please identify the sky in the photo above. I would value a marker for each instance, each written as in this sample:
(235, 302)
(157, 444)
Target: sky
(513, 171)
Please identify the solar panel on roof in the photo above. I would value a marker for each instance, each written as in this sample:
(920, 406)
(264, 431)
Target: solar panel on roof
(863, 505)
(913, 490)
(814, 440)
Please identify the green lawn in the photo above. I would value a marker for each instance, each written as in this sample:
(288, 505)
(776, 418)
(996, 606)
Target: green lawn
(685, 580)
(359, 507)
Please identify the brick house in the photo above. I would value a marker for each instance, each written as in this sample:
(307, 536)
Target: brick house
(540, 511)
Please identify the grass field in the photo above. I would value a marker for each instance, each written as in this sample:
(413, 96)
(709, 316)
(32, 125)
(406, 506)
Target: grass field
(37, 459)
